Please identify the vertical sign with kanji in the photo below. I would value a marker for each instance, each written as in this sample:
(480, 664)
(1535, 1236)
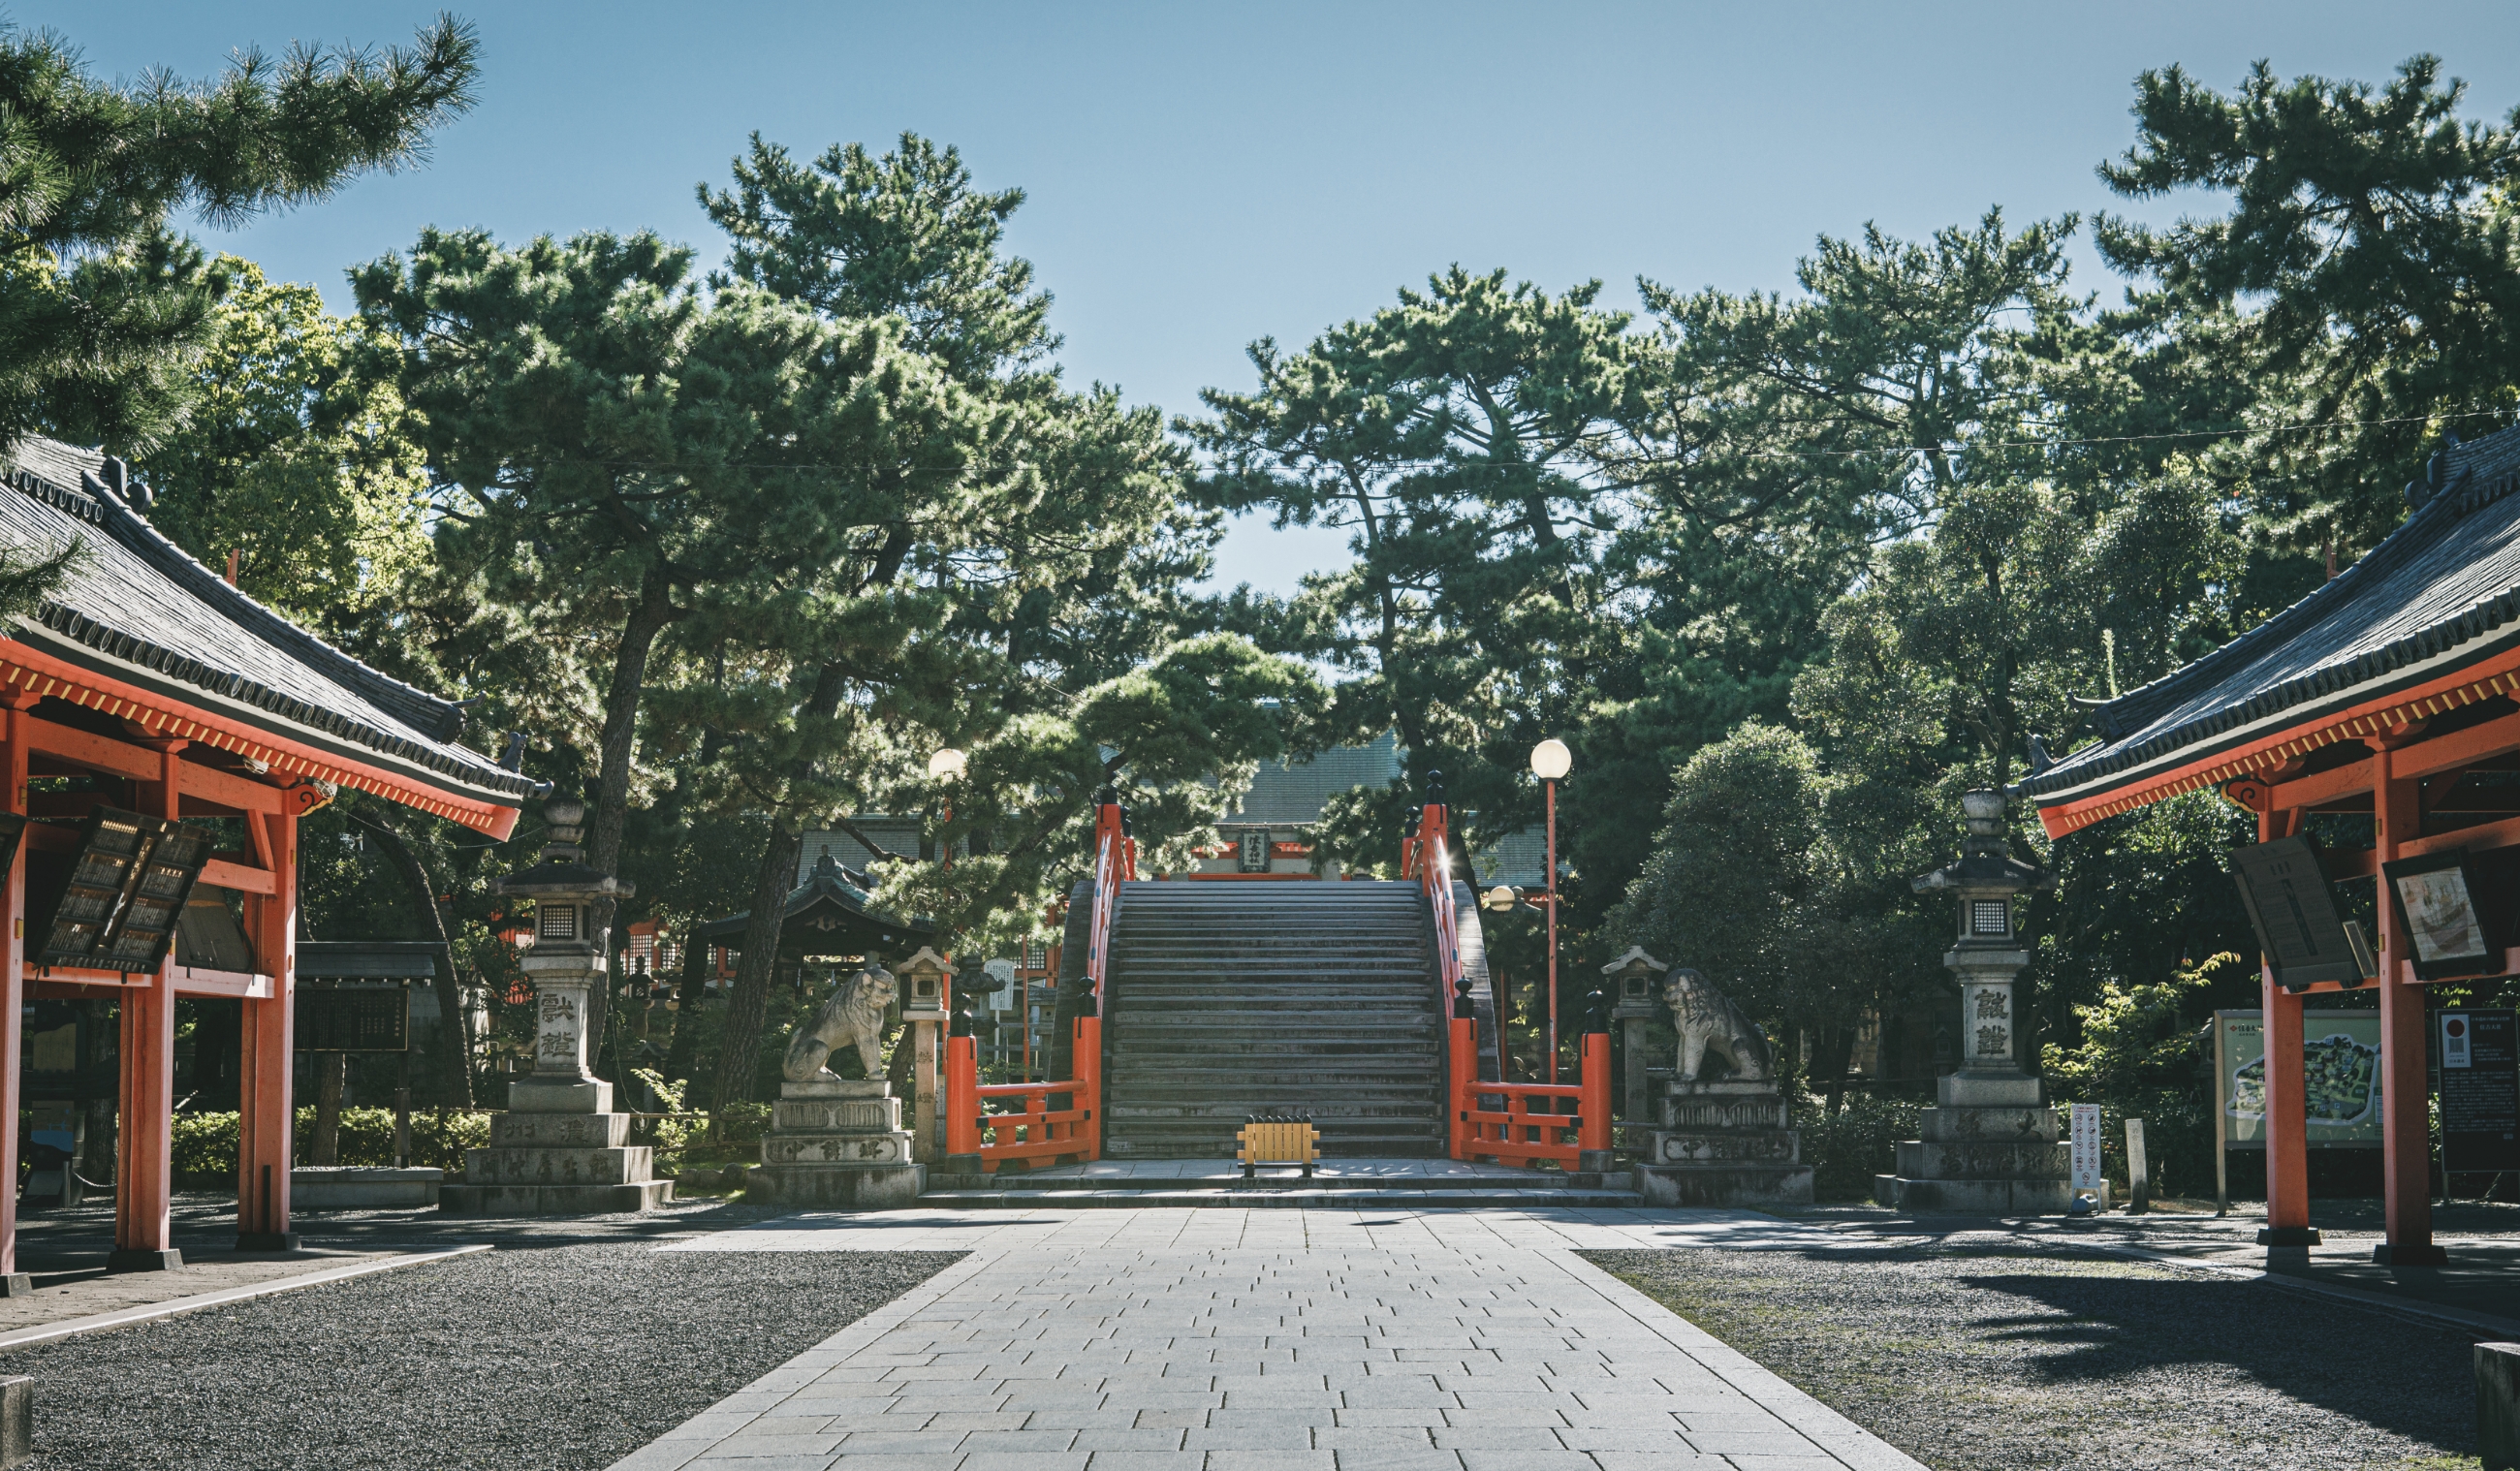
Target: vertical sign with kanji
(2084, 1133)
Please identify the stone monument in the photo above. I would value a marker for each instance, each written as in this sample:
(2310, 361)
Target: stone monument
(1990, 1148)
(838, 1141)
(1722, 1137)
(1636, 976)
(560, 1150)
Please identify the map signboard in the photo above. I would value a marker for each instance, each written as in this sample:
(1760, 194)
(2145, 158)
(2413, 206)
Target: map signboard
(2480, 1088)
(2340, 1078)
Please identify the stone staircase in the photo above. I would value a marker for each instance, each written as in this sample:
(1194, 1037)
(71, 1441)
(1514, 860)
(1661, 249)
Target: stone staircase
(1229, 999)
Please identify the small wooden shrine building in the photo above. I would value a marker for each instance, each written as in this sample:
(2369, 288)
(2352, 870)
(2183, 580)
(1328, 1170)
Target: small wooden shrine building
(826, 914)
(162, 734)
(2388, 691)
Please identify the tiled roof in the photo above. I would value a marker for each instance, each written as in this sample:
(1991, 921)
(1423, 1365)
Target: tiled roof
(2440, 593)
(1291, 794)
(138, 608)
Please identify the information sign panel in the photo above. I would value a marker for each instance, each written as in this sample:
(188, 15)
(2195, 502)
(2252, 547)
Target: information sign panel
(2285, 888)
(353, 1019)
(2480, 1088)
(2085, 1136)
(2340, 1078)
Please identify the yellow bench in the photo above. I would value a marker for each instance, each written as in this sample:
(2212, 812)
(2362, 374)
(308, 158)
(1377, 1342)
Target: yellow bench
(1277, 1143)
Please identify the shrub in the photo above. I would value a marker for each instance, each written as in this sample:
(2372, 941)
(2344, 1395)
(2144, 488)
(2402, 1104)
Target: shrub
(1846, 1149)
(204, 1145)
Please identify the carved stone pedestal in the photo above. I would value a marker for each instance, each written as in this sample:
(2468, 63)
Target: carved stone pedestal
(557, 1163)
(838, 1143)
(1991, 1149)
(1725, 1143)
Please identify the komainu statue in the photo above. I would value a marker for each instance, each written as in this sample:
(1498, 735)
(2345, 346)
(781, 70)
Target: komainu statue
(1709, 1022)
(854, 1014)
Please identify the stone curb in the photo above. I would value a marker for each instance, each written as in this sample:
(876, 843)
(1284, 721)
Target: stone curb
(122, 1318)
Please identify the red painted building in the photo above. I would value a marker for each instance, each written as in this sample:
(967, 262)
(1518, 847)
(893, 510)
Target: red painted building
(147, 685)
(2389, 693)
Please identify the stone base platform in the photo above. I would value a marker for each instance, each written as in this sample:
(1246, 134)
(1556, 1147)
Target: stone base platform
(838, 1144)
(1723, 1144)
(557, 1164)
(1991, 1149)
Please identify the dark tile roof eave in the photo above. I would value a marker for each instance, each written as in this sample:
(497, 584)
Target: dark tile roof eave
(2295, 703)
(424, 712)
(103, 651)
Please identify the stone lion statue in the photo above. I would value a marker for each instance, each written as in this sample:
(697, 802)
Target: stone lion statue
(854, 1014)
(1709, 1022)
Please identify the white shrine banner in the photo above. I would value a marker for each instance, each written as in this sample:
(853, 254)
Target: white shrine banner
(2086, 1139)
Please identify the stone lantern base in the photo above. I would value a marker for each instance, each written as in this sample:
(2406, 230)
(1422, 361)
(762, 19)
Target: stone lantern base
(1725, 1143)
(1992, 1148)
(551, 1154)
(839, 1144)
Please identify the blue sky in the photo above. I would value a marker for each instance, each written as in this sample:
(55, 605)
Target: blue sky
(1200, 175)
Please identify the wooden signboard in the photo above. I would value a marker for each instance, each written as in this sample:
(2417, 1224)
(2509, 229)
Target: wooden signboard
(353, 1019)
(2285, 888)
(2480, 1088)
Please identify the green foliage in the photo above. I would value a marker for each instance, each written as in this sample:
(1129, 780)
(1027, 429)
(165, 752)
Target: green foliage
(1848, 1145)
(2138, 1057)
(294, 460)
(99, 304)
(204, 1145)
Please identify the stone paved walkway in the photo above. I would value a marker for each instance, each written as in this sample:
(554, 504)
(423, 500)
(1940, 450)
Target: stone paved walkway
(1221, 1339)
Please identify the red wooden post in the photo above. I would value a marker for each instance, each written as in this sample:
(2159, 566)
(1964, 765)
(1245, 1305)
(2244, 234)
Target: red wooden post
(1552, 930)
(12, 996)
(144, 1195)
(962, 1095)
(2287, 1122)
(265, 1088)
(2404, 1091)
(1465, 1082)
(1088, 1055)
(1595, 1132)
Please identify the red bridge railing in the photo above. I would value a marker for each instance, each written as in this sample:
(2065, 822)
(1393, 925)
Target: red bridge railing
(1507, 1123)
(1032, 1130)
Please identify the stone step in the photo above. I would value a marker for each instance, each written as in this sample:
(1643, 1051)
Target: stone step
(1973, 1197)
(630, 1164)
(1323, 1196)
(474, 1199)
(1998, 1125)
(1927, 1159)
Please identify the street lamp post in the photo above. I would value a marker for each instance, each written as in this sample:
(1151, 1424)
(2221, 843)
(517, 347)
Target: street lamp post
(1551, 761)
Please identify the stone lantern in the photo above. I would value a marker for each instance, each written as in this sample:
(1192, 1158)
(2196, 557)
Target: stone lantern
(1636, 1002)
(1991, 1147)
(566, 964)
(927, 980)
(560, 1148)
(1988, 956)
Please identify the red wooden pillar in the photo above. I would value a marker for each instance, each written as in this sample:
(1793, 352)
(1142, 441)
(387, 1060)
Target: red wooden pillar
(2287, 1121)
(2406, 1187)
(264, 1082)
(144, 1223)
(13, 1000)
(1088, 1067)
(1465, 1080)
(1595, 1131)
(962, 1095)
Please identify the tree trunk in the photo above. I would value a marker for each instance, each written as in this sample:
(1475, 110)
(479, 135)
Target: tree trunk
(739, 1045)
(455, 1045)
(331, 1069)
(1837, 1045)
(740, 1049)
(609, 810)
(682, 1055)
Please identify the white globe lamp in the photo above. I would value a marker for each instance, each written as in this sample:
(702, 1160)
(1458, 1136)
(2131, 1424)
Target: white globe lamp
(1551, 760)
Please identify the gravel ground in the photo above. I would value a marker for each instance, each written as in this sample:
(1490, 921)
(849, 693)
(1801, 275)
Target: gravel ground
(1977, 1358)
(533, 1358)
